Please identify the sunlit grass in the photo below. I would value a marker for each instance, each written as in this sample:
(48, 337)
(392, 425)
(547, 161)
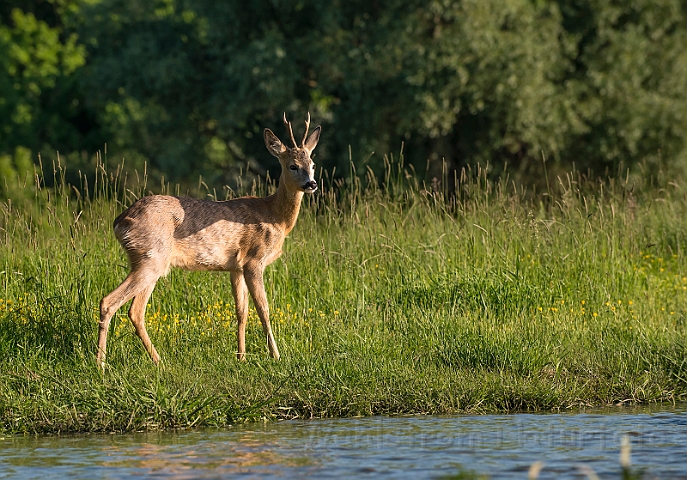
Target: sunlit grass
(389, 298)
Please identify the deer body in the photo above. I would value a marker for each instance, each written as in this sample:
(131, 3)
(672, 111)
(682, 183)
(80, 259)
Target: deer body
(241, 236)
(203, 235)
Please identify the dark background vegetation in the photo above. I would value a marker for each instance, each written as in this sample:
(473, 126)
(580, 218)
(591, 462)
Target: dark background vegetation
(186, 86)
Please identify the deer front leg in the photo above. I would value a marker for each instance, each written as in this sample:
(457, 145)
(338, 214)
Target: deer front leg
(238, 288)
(256, 287)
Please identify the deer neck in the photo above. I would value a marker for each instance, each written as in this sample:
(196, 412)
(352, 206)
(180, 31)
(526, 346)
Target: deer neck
(287, 204)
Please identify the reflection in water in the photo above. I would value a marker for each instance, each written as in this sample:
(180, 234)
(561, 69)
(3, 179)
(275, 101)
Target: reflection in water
(502, 446)
(191, 452)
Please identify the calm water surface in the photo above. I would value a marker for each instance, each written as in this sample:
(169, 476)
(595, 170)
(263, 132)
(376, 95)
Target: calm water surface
(502, 446)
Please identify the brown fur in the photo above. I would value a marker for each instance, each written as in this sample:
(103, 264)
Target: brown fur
(241, 236)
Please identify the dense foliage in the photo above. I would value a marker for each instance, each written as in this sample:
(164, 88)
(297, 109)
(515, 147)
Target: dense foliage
(187, 85)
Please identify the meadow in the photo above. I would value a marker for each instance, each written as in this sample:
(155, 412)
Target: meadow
(393, 296)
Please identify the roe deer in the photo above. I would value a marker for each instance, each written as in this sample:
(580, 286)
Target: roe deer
(242, 236)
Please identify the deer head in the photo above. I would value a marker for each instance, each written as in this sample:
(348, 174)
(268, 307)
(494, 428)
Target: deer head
(297, 168)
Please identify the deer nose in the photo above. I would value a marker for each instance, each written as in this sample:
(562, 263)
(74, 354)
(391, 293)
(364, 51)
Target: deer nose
(310, 186)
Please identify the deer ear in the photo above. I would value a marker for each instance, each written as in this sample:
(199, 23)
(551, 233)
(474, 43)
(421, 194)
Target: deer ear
(273, 144)
(312, 140)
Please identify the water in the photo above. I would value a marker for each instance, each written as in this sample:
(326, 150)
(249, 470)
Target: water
(502, 446)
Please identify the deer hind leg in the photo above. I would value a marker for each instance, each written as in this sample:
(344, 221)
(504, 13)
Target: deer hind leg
(256, 287)
(240, 292)
(137, 315)
(134, 283)
(109, 306)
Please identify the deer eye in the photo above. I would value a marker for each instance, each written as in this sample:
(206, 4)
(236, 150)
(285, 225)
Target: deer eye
(293, 167)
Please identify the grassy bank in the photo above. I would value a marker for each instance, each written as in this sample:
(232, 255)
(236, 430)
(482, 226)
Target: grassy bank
(388, 299)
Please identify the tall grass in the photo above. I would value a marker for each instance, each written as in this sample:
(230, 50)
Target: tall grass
(393, 296)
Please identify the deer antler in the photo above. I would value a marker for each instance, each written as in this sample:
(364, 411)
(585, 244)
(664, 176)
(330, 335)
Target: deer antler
(307, 127)
(290, 130)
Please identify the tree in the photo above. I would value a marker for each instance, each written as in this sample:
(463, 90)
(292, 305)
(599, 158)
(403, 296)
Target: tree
(188, 85)
(39, 106)
(628, 84)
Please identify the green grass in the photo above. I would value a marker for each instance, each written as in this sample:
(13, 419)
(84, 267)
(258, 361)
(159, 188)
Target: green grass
(388, 299)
